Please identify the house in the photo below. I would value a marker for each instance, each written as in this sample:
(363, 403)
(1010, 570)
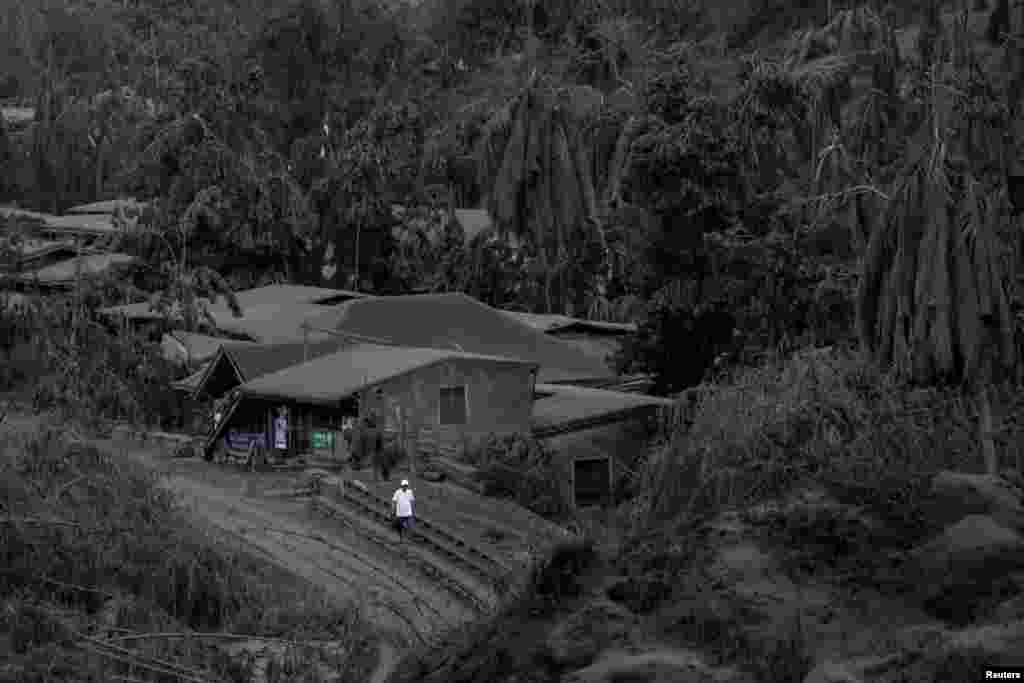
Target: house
(458, 322)
(594, 337)
(448, 398)
(235, 363)
(597, 433)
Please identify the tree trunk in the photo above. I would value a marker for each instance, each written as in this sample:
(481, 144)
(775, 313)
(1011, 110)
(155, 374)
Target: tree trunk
(988, 445)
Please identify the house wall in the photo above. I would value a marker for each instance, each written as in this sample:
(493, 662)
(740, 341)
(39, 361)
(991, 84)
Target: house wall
(624, 442)
(498, 401)
(255, 416)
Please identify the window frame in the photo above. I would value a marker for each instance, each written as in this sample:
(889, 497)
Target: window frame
(441, 405)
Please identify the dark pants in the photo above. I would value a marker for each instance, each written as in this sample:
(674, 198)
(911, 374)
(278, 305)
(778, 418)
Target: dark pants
(403, 524)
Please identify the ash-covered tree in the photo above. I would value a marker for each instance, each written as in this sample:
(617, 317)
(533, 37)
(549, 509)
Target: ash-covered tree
(216, 213)
(934, 298)
(536, 176)
(369, 167)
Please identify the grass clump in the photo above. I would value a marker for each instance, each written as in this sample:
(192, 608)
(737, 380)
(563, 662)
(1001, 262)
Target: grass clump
(96, 558)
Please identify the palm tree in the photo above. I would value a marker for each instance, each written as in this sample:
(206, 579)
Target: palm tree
(537, 180)
(932, 299)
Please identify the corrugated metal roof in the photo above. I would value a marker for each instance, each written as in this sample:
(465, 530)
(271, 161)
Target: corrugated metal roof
(338, 375)
(562, 404)
(459, 322)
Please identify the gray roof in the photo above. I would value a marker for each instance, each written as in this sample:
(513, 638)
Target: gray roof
(338, 375)
(270, 314)
(289, 294)
(562, 404)
(473, 221)
(455, 321)
(257, 360)
(200, 347)
(552, 323)
(191, 383)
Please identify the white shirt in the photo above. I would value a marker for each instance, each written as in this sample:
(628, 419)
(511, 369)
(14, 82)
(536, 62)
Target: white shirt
(403, 502)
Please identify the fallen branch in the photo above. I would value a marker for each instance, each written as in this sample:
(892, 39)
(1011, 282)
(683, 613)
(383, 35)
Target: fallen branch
(217, 636)
(142, 664)
(64, 488)
(108, 649)
(38, 521)
(857, 189)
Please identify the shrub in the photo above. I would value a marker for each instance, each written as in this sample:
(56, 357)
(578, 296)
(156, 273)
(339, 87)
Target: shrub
(822, 415)
(524, 470)
(557, 577)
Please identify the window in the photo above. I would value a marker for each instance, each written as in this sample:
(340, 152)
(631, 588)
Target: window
(453, 405)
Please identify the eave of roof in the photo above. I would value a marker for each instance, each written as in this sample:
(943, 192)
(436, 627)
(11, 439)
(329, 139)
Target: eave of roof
(297, 383)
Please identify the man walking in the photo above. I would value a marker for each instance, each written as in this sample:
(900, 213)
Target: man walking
(403, 500)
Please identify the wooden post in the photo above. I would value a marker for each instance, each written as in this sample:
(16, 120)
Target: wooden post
(572, 483)
(611, 482)
(988, 445)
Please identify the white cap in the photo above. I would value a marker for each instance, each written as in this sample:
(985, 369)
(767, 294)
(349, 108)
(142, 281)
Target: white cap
(405, 482)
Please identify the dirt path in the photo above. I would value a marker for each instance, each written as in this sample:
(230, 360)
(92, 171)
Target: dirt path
(241, 508)
(387, 660)
(340, 562)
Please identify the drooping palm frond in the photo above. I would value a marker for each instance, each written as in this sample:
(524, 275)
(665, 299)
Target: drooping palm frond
(538, 179)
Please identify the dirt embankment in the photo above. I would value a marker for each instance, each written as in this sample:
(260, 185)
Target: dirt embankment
(249, 512)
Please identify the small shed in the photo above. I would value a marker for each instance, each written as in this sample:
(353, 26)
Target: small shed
(421, 396)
